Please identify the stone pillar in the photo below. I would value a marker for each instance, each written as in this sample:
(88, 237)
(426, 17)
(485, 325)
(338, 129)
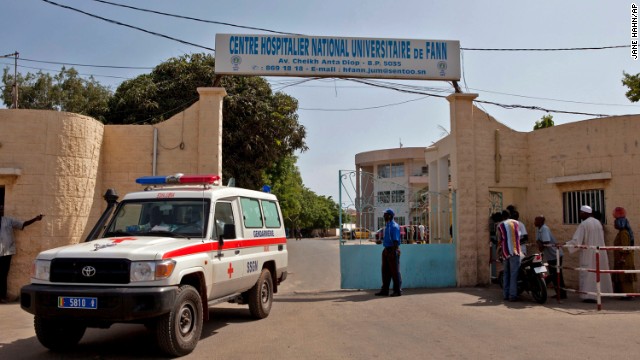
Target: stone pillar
(443, 200)
(434, 229)
(464, 161)
(210, 130)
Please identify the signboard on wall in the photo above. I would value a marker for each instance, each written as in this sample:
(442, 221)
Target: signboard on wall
(321, 56)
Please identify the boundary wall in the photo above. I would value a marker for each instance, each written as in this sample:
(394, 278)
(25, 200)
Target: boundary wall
(61, 164)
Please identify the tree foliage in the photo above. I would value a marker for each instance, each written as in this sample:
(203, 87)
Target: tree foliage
(65, 91)
(300, 206)
(318, 212)
(260, 128)
(545, 122)
(633, 83)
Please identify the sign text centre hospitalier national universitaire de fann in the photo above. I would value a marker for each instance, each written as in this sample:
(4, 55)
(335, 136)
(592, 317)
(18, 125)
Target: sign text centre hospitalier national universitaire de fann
(337, 57)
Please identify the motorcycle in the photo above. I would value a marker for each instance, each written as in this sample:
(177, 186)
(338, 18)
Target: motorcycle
(531, 277)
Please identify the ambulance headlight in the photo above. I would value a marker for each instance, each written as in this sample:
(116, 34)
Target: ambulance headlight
(151, 270)
(41, 270)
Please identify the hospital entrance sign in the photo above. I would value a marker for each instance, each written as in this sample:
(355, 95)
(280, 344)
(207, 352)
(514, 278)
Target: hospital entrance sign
(321, 56)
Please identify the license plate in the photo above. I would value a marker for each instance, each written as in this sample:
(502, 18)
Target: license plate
(74, 302)
(540, 269)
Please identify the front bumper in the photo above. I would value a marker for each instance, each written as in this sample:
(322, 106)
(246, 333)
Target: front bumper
(115, 304)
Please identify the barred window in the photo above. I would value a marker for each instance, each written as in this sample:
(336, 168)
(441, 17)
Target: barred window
(394, 196)
(391, 170)
(573, 200)
(384, 197)
(397, 196)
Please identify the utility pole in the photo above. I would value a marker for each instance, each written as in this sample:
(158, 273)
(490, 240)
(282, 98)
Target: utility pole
(14, 92)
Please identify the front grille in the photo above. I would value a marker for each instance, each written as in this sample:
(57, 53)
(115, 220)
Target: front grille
(97, 271)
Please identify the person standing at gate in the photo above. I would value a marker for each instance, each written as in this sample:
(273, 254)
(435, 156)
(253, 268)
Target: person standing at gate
(623, 259)
(8, 247)
(422, 233)
(524, 236)
(508, 234)
(545, 237)
(590, 233)
(391, 256)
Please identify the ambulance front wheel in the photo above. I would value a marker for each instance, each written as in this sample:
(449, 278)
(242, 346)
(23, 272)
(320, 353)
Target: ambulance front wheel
(261, 296)
(58, 335)
(178, 331)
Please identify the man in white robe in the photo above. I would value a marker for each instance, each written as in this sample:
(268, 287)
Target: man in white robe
(590, 233)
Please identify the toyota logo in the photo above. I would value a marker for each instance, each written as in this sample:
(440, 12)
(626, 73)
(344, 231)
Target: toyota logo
(88, 271)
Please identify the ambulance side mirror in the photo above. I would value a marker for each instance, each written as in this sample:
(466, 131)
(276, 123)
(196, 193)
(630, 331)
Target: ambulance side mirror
(229, 231)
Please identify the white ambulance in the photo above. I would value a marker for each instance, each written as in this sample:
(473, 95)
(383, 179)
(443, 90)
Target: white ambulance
(162, 258)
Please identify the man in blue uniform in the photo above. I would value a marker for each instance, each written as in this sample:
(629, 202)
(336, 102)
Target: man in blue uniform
(391, 256)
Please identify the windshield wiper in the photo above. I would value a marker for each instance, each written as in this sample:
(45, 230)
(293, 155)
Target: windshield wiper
(117, 233)
(165, 232)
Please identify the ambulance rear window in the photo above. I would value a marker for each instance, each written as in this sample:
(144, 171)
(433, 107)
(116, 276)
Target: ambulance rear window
(271, 216)
(251, 213)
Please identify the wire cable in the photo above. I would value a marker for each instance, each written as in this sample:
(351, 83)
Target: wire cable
(505, 106)
(57, 71)
(549, 49)
(194, 19)
(129, 26)
(87, 65)
(366, 108)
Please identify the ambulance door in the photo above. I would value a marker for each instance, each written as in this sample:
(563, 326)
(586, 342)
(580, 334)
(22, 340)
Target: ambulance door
(253, 253)
(227, 266)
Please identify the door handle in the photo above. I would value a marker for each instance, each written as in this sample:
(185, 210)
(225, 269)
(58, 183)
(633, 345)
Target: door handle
(237, 252)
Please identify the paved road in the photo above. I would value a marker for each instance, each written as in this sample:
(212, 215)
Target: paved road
(312, 319)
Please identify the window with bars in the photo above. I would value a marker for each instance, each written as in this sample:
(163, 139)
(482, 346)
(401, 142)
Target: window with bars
(391, 170)
(394, 196)
(573, 200)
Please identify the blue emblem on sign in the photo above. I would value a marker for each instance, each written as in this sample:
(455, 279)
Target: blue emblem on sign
(442, 66)
(236, 61)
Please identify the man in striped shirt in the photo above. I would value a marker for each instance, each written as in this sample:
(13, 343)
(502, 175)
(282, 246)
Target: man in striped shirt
(508, 234)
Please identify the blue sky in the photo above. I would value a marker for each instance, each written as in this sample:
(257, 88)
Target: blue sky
(332, 110)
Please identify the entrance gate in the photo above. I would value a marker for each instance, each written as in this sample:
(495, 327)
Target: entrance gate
(427, 261)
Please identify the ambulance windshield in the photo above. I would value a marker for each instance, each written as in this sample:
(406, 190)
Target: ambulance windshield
(172, 217)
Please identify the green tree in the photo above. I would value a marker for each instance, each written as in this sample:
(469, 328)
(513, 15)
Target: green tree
(318, 212)
(633, 83)
(260, 128)
(65, 91)
(545, 122)
(286, 183)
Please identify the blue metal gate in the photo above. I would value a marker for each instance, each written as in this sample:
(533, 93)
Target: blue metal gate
(425, 262)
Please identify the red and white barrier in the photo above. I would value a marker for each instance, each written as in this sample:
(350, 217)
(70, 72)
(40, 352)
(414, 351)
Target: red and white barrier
(598, 294)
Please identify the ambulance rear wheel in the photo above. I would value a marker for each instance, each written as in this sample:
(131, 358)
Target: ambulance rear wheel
(58, 335)
(178, 331)
(261, 296)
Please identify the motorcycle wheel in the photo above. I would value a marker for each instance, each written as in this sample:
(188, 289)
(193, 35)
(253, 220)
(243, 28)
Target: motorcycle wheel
(539, 290)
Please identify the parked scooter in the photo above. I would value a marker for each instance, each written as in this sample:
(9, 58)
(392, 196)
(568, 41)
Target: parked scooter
(531, 277)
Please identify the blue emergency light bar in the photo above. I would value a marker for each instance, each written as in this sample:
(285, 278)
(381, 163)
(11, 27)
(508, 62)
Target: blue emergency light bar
(178, 179)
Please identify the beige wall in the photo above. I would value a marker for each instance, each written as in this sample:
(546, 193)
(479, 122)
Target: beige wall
(580, 150)
(534, 169)
(61, 164)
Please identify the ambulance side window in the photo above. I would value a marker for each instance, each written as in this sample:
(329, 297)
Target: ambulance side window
(251, 213)
(271, 216)
(223, 215)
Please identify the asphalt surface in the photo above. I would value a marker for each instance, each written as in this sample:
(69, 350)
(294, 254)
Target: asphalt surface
(312, 318)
